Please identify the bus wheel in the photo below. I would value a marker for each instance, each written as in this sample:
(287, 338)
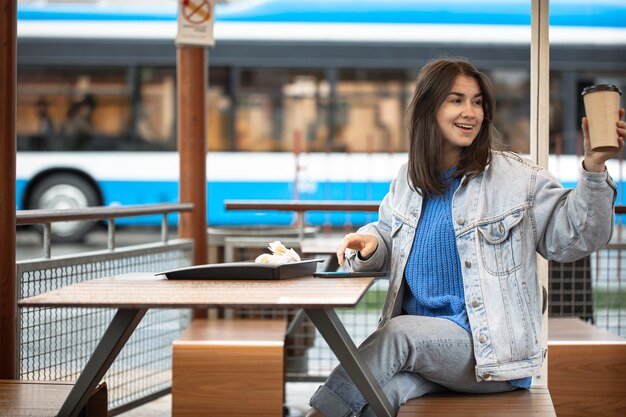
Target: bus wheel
(64, 191)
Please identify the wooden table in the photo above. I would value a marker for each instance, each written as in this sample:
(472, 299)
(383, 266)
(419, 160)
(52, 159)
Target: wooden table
(133, 294)
(301, 206)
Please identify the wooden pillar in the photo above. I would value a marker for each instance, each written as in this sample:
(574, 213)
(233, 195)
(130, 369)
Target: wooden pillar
(540, 127)
(192, 87)
(8, 71)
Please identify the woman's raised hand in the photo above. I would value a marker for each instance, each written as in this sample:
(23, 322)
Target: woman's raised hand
(594, 160)
(365, 244)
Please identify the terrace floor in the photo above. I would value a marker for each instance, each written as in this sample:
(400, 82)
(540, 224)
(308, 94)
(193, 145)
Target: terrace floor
(298, 394)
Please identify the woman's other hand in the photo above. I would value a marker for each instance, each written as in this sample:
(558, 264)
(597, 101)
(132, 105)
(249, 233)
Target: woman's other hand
(594, 160)
(365, 244)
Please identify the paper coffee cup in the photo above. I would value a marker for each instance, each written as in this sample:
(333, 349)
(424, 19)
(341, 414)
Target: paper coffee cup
(602, 110)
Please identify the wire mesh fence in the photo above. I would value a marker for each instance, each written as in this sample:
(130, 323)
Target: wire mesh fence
(609, 288)
(570, 289)
(55, 343)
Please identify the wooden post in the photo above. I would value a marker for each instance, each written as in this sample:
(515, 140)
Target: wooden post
(540, 127)
(8, 71)
(192, 87)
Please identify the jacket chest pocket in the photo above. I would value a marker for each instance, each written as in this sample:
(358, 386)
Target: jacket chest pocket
(402, 232)
(501, 244)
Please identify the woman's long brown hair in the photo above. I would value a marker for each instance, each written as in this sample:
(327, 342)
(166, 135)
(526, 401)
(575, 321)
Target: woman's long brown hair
(434, 83)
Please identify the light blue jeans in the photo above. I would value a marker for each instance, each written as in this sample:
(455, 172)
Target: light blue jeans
(409, 357)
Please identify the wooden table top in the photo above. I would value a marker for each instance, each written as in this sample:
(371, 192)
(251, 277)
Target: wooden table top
(145, 290)
(302, 205)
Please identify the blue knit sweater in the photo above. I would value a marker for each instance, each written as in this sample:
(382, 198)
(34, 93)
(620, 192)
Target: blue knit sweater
(433, 270)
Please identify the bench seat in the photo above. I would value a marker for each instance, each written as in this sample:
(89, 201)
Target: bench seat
(586, 369)
(229, 368)
(19, 398)
(586, 378)
(535, 402)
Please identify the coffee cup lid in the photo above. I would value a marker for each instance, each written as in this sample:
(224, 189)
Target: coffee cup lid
(601, 87)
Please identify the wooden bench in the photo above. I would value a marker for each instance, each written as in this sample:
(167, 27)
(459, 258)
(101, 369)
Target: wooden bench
(535, 402)
(586, 369)
(586, 378)
(229, 368)
(20, 398)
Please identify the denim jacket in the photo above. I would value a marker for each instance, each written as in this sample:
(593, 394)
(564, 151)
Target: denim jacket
(502, 218)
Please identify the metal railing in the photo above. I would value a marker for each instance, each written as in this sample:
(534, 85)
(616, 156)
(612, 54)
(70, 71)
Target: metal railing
(54, 344)
(47, 217)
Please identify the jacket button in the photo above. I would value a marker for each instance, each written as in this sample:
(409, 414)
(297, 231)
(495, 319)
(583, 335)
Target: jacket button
(482, 338)
(475, 303)
(468, 264)
(486, 376)
(461, 221)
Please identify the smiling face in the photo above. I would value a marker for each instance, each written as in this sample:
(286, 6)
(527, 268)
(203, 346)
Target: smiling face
(460, 118)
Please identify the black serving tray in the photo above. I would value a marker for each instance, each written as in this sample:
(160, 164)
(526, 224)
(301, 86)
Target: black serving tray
(245, 271)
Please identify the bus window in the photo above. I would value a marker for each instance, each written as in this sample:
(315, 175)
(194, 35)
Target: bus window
(371, 110)
(219, 111)
(557, 138)
(305, 101)
(512, 118)
(157, 108)
(282, 110)
(71, 109)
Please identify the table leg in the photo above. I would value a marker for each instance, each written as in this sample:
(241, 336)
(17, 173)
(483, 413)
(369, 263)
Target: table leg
(120, 329)
(331, 265)
(295, 323)
(339, 341)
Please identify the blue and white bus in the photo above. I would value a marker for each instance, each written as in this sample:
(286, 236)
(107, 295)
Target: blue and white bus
(305, 100)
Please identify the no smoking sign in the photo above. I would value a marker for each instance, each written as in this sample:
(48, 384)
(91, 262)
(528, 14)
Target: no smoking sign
(196, 11)
(195, 22)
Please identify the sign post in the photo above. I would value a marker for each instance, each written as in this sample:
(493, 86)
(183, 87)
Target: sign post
(195, 34)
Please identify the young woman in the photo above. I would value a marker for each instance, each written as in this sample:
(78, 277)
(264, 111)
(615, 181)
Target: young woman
(459, 231)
